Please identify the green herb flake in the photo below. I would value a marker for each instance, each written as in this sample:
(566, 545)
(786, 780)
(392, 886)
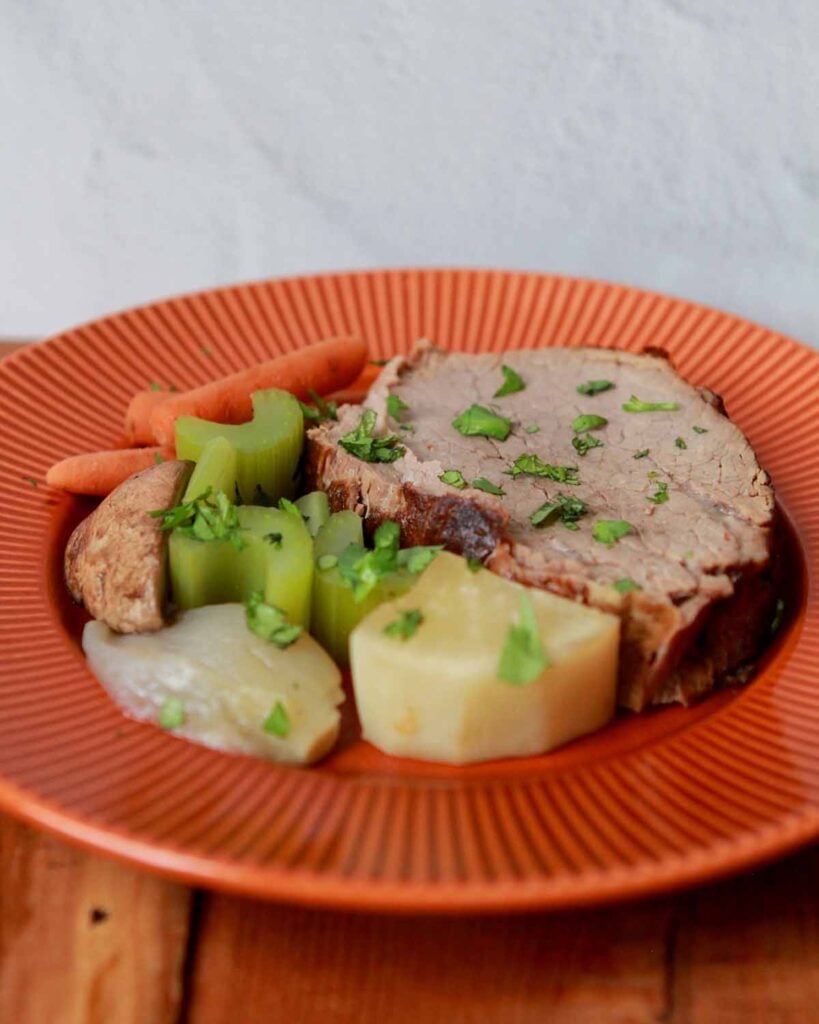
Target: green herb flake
(778, 616)
(320, 410)
(327, 561)
(522, 659)
(610, 531)
(416, 559)
(482, 484)
(533, 465)
(158, 459)
(626, 585)
(361, 443)
(405, 626)
(379, 362)
(584, 442)
(478, 421)
(270, 622)
(155, 385)
(588, 421)
(642, 453)
(564, 508)
(660, 496)
(680, 443)
(32, 480)
(273, 538)
(286, 505)
(362, 569)
(208, 517)
(453, 477)
(474, 564)
(635, 404)
(533, 428)
(206, 352)
(395, 406)
(277, 722)
(172, 713)
(512, 382)
(594, 387)
(700, 430)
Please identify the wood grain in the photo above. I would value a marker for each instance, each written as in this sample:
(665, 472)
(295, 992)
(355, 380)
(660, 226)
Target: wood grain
(84, 940)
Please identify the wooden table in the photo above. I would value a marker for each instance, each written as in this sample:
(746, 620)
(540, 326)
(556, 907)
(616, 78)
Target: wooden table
(84, 940)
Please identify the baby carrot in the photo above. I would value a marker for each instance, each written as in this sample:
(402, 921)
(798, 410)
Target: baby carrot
(100, 472)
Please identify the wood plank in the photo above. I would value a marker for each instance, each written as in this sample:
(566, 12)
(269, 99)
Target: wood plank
(84, 940)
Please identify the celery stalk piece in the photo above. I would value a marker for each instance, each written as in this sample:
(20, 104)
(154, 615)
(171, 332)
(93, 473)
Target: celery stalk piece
(267, 448)
(315, 507)
(277, 560)
(216, 469)
(335, 612)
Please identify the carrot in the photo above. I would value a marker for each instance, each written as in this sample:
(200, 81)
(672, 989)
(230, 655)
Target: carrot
(357, 391)
(138, 415)
(325, 366)
(100, 472)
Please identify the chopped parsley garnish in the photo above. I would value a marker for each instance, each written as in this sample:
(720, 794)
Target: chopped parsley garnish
(594, 387)
(642, 453)
(31, 480)
(270, 622)
(609, 531)
(588, 421)
(155, 386)
(652, 474)
(158, 459)
(278, 721)
(286, 505)
(522, 658)
(172, 713)
(379, 362)
(327, 561)
(474, 564)
(564, 508)
(362, 569)
(626, 585)
(482, 484)
(478, 421)
(361, 443)
(700, 430)
(406, 625)
(395, 406)
(660, 496)
(320, 410)
(634, 404)
(533, 465)
(512, 382)
(207, 517)
(583, 442)
(453, 477)
(680, 443)
(533, 428)
(273, 538)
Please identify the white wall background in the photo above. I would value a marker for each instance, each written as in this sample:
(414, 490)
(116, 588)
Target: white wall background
(151, 148)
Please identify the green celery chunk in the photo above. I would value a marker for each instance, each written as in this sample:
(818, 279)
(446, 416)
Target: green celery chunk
(315, 507)
(336, 613)
(267, 448)
(276, 560)
(215, 468)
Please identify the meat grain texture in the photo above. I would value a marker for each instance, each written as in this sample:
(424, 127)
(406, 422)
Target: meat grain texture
(703, 559)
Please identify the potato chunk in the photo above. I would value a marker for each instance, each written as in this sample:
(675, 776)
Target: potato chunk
(115, 560)
(436, 695)
(225, 686)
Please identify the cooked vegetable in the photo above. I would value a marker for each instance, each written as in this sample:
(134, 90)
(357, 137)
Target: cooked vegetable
(395, 406)
(453, 477)
(318, 409)
(482, 484)
(406, 625)
(478, 421)
(512, 382)
(564, 508)
(594, 387)
(98, 473)
(139, 412)
(215, 470)
(588, 421)
(212, 680)
(115, 560)
(325, 366)
(270, 622)
(533, 465)
(626, 585)
(438, 696)
(276, 560)
(356, 392)
(267, 448)
(315, 509)
(609, 531)
(583, 442)
(634, 404)
(660, 496)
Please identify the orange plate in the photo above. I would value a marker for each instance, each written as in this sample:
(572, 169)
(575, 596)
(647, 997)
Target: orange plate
(653, 802)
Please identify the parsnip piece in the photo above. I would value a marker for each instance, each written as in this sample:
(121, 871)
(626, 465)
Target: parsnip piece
(436, 696)
(225, 681)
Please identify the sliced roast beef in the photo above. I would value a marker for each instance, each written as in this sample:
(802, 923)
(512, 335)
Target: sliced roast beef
(691, 577)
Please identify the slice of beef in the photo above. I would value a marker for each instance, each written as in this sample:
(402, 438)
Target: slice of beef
(702, 558)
